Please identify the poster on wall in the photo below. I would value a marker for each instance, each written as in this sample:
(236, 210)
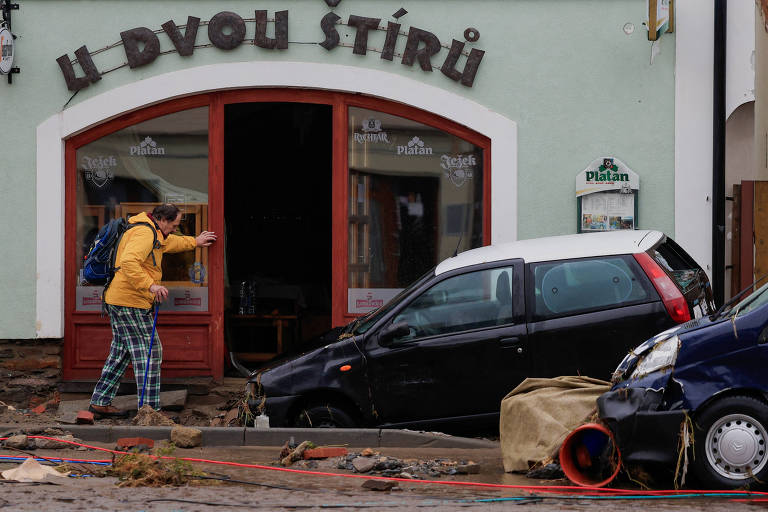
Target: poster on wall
(607, 211)
(606, 196)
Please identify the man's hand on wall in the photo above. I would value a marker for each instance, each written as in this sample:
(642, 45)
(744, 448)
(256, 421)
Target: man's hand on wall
(205, 238)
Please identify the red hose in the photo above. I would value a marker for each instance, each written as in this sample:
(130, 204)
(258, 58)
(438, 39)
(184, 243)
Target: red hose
(584, 491)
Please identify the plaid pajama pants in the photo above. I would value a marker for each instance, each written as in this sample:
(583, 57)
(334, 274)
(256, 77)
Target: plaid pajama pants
(131, 333)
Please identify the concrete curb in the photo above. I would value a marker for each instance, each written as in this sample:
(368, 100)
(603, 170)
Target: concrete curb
(241, 436)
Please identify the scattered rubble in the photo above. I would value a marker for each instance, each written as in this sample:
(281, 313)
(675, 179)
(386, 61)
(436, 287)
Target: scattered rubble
(296, 454)
(19, 441)
(140, 469)
(130, 443)
(371, 462)
(186, 437)
(148, 417)
(379, 485)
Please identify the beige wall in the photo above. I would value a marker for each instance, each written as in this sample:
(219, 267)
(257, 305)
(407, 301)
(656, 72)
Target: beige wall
(761, 94)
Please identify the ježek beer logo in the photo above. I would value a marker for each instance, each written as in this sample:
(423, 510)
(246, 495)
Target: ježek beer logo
(147, 147)
(607, 172)
(371, 132)
(459, 168)
(97, 170)
(415, 146)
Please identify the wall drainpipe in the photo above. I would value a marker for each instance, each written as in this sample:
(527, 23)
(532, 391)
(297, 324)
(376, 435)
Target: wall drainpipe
(718, 154)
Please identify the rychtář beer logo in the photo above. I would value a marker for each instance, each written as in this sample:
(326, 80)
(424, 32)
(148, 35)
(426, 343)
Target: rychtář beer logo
(98, 170)
(415, 146)
(147, 147)
(459, 168)
(372, 132)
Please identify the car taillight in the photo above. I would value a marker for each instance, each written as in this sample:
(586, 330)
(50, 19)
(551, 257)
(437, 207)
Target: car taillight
(673, 300)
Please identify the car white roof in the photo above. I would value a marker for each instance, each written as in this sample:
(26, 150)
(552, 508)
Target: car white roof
(557, 247)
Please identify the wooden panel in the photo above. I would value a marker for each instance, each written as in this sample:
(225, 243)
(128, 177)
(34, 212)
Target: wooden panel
(92, 345)
(183, 346)
(736, 240)
(746, 261)
(761, 229)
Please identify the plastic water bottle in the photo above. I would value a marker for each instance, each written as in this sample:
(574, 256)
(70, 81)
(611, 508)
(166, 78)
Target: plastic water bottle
(262, 421)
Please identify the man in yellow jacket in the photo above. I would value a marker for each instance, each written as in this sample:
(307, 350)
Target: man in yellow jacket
(129, 299)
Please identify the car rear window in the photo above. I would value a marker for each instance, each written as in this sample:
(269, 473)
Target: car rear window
(575, 286)
(678, 264)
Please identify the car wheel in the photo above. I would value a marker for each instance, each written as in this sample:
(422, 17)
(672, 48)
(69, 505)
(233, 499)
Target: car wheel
(324, 415)
(730, 443)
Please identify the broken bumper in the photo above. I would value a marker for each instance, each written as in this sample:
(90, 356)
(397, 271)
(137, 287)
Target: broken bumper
(642, 432)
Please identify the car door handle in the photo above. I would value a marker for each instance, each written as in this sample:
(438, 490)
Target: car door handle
(512, 344)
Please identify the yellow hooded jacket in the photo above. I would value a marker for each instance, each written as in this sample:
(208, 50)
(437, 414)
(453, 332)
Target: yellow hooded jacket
(137, 272)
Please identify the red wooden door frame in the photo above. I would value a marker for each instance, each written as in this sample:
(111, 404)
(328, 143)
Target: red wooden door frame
(214, 317)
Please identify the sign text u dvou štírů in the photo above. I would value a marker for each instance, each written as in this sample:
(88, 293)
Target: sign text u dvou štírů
(227, 31)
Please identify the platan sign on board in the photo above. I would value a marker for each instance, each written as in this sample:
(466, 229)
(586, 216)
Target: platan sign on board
(228, 30)
(606, 193)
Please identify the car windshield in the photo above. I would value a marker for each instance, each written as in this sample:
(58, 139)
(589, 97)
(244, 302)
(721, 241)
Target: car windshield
(365, 322)
(752, 301)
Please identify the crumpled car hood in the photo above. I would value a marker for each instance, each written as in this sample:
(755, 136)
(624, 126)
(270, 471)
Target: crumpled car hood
(315, 369)
(629, 362)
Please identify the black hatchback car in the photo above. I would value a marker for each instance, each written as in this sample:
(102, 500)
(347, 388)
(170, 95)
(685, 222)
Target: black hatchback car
(447, 349)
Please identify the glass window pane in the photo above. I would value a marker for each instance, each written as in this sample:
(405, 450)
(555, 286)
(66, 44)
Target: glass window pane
(570, 286)
(415, 198)
(162, 160)
(469, 301)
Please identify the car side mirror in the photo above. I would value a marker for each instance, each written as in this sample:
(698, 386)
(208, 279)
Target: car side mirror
(392, 331)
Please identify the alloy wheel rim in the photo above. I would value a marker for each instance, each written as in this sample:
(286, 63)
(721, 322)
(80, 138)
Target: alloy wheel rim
(736, 446)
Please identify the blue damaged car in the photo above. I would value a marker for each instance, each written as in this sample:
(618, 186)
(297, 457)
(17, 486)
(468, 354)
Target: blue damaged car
(701, 386)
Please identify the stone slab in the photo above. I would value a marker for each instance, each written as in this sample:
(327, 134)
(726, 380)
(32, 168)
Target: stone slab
(239, 436)
(223, 436)
(90, 433)
(171, 400)
(395, 438)
(358, 437)
(156, 433)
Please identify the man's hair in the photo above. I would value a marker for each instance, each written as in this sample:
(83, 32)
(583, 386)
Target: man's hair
(166, 211)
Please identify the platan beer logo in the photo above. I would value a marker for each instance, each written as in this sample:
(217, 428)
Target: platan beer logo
(608, 172)
(415, 146)
(459, 168)
(371, 132)
(97, 170)
(147, 147)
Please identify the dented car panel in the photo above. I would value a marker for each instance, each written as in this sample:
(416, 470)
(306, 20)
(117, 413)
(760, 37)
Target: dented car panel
(446, 350)
(314, 372)
(716, 358)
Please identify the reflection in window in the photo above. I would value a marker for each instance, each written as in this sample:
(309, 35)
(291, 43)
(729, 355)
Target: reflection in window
(415, 198)
(468, 301)
(162, 160)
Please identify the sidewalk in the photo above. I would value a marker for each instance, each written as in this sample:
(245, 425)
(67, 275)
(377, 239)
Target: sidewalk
(242, 436)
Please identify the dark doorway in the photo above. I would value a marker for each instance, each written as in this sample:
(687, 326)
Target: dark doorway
(277, 193)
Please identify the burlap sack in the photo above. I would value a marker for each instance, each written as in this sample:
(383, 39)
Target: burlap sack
(538, 414)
